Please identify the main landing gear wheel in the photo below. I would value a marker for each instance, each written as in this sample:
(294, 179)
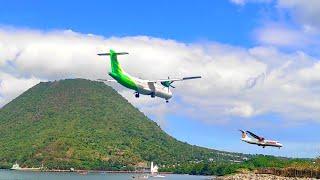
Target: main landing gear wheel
(167, 101)
(137, 95)
(153, 95)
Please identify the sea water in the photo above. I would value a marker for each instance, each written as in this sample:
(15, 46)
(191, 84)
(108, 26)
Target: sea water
(25, 175)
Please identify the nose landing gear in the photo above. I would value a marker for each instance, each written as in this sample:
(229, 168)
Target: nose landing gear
(137, 95)
(167, 101)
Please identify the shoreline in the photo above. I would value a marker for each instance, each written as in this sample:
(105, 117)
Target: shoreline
(82, 171)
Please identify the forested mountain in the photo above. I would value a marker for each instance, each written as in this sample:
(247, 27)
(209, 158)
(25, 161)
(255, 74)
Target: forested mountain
(86, 124)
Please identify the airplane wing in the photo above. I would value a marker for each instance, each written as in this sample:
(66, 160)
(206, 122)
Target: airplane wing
(255, 136)
(175, 79)
(168, 82)
(107, 80)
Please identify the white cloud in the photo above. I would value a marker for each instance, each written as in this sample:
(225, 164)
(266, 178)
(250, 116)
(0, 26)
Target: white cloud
(278, 34)
(236, 82)
(239, 2)
(288, 23)
(241, 109)
(300, 30)
(305, 12)
(11, 86)
(243, 2)
(311, 74)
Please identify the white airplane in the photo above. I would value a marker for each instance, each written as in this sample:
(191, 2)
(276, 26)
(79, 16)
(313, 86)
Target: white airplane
(153, 88)
(257, 140)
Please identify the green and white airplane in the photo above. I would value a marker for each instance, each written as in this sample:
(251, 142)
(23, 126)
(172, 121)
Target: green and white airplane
(153, 88)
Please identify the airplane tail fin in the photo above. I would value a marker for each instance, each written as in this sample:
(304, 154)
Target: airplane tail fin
(244, 134)
(115, 66)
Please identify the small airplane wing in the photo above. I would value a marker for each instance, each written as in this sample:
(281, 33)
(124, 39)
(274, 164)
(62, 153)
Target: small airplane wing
(106, 80)
(255, 136)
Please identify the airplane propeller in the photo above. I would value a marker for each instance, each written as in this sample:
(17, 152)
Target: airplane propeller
(167, 84)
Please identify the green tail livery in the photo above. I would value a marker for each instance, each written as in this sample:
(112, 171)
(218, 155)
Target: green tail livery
(154, 88)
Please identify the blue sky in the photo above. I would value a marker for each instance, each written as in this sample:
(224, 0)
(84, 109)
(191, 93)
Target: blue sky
(269, 35)
(184, 21)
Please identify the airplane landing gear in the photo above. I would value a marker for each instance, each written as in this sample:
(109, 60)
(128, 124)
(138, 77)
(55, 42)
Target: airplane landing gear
(263, 146)
(137, 95)
(167, 101)
(153, 95)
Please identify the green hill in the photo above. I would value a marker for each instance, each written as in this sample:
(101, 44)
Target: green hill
(85, 124)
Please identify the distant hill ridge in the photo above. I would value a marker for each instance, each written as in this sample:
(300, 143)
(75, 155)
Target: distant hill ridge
(87, 125)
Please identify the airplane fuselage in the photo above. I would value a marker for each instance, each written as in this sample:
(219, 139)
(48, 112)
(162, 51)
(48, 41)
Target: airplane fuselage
(262, 143)
(141, 86)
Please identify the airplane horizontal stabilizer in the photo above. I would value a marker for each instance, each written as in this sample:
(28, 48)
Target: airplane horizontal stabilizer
(107, 80)
(108, 54)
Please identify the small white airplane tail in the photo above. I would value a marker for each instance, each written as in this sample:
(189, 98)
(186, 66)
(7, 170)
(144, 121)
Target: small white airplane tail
(244, 134)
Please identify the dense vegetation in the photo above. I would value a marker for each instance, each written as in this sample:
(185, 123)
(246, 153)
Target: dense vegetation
(87, 125)
(257, 162)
